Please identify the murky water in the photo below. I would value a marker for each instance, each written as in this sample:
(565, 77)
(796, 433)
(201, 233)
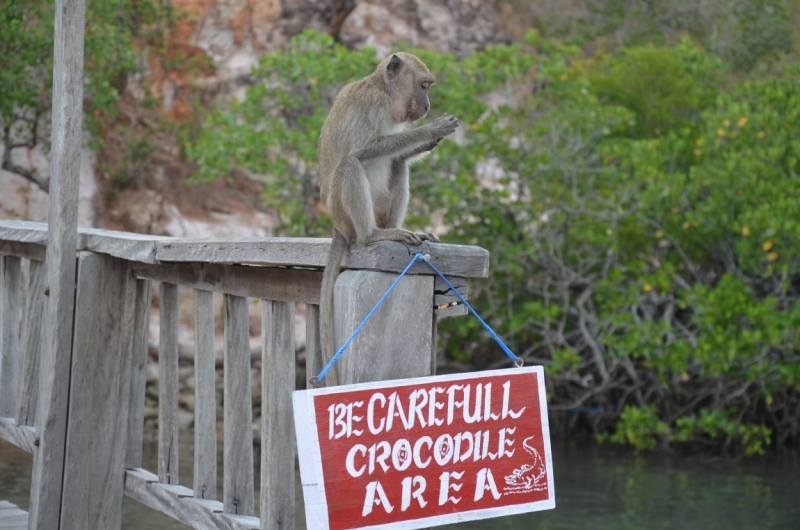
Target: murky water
(596, 488)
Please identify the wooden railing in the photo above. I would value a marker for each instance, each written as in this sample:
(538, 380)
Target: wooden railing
(107, 372)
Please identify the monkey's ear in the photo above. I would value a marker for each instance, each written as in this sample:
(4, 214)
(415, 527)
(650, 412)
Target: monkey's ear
(394, 64)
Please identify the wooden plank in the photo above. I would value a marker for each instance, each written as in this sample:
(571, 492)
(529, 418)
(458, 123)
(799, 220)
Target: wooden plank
(284, 285)
(313, 348)
(168, 384)
(12, 517)
(24, 231)
(96, 430)
(205, 402)
(11, 279)
(238, 481)
(31, 342)
(143, 487)
(390, 256)
(396, 343)
(127, 245)
(278, 447)
(22, 436)
(141, 326)
(442, 292)
(65, 160)
(23, 250)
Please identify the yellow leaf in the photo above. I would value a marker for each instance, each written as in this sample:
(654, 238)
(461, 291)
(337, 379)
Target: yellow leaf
(772, 256)
(659, 234)
(313, 81)
(742, 122)
(746, 231)
(475, 126)
(727, 123)
(563, 77)
(699, 142)
(686, 225)
(721, 132)
(698, 152)
(769, 400)
(685, 376)
(647, 288)
(768, 244)
(761, 134)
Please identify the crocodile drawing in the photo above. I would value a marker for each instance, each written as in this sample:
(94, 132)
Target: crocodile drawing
(527, 477)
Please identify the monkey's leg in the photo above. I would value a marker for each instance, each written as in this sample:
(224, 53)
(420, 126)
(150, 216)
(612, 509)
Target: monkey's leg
(398, 206)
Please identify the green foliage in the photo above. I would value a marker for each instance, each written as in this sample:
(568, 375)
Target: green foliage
(654, 275)
(26, 60)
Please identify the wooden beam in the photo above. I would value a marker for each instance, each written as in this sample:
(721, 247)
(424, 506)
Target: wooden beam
(389, 256)
(168, 384)
(266, 283)
(22, 436)
(205, 397)
(31, 343)
(10, 284)
(178, 503)
(65, 162)
(34, 251)
(278, 446)
(141, 326)
(237, 474)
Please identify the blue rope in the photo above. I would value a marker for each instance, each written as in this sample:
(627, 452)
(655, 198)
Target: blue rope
(516, 360)
(418, 257)
(335, 358)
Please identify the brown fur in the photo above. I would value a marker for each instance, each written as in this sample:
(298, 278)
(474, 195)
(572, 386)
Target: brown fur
(364, 149)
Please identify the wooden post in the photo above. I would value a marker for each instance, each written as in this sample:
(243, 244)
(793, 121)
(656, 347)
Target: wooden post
(278, 447)
(141, 327)
(237, 473)
(94, 469)
(30, 343)
(313, 347)
(205, 397)
(10, 275)
(168, 384)
(65, 160)
(396, 343)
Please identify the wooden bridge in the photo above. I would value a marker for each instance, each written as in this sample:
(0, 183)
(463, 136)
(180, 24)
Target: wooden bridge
(84, 414)
(74, 315)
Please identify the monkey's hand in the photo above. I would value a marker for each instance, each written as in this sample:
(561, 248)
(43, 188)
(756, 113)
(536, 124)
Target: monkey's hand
(444, 126)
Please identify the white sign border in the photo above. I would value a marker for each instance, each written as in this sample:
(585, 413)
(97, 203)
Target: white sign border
(312, 478)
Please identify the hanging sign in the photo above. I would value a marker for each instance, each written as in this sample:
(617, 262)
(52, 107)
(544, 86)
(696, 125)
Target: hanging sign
(415, 453)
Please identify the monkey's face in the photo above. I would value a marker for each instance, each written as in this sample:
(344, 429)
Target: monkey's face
(409, 80)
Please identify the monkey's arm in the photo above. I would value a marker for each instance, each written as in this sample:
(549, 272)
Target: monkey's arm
(424, 149)
(400, 144)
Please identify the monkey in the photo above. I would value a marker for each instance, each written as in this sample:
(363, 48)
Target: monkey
(365, 146)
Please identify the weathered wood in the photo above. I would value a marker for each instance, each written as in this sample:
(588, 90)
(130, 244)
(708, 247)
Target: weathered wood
(456, 310)
(11, 279)
(313, 347)
(126, 245)
(65, 160)
(205, 403)
(278, 447)
(434, 342)
(96, 430)
(143, 487)
(396, 343)
(141, 325)
(390, 256)
(238, 481)
(24, 231)
(22, 436)
(31, 342)
(168, 385)
(283, 285)
(23, 250)
(12, 517)
(443, 294)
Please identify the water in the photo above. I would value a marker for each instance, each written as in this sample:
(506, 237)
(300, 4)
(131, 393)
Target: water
(597, 488)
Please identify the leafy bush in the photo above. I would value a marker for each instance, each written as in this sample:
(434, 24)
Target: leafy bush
(655, 276)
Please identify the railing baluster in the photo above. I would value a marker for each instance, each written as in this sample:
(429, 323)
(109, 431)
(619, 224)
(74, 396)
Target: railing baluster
(278, 447)
(30, 343)
(168, 385)
(205, 403)
(238, 480)
(141, 327)
(313, 349)
(11, 276)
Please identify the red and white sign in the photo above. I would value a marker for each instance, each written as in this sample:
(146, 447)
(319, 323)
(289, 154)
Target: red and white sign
(421, 452)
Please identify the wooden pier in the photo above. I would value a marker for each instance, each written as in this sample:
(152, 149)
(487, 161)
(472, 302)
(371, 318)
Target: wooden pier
(105, 375)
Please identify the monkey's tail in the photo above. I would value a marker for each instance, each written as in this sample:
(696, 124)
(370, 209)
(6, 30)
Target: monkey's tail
(338, 248)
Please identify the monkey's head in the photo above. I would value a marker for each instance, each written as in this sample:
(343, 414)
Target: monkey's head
(408, 80)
